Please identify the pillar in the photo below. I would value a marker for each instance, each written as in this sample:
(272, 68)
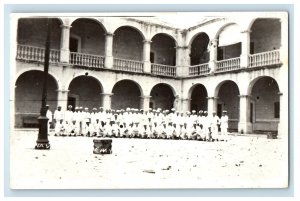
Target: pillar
(109, 60)
(182, 65)
(62, 99)
(283, 81)
(146, 56)
(64, 43)
(106, 100)
(283, 117)
(211, 104)
(185, 104)
(213, 51)
(176, 103)
(145, 102)
(245, 35)
(244, 126)
(284, 40)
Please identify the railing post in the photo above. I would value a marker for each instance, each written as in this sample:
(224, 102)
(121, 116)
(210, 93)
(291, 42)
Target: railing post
(109, 60)
(213, 49)
(245, 49)
(64, 43)
(146, 56)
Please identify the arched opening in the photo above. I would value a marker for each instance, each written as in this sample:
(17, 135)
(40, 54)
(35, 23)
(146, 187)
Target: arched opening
(162, 96)
(229, 42)
(28, 97)
(199, 52)
(128, 44)
(163, 50)
(126, 93)
(87, 36)
(265, 35)
(33, 32)
(85, 91)
(265, 101)
(199, 98)
(228, 99)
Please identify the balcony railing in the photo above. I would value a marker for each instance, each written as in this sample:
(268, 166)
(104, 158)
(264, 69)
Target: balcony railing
(264, 59)
(37, 54)
(160, 69)
(228, 65)
(200, 69)
(30, 53)
(87, 60)
(128, 65)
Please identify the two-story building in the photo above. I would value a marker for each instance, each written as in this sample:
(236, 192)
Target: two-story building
(237, 63)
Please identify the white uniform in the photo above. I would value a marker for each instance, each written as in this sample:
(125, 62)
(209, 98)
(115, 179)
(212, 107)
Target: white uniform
(60, 128)
(74, 128)
(58, 115)
(69, 116)
(206, 125)
(214, 120)
(49, 116)
(224, 126)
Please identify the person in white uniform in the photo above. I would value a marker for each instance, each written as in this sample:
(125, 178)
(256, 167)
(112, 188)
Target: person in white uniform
(215, 121)
(224, 126)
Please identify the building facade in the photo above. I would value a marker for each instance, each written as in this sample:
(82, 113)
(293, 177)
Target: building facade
(238, 64)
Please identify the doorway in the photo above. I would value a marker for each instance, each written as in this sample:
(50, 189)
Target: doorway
(72, 101)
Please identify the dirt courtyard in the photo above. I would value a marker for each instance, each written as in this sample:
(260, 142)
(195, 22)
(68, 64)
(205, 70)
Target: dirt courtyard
(249, 161)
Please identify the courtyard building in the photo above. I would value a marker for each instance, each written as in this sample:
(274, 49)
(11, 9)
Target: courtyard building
(223, 63)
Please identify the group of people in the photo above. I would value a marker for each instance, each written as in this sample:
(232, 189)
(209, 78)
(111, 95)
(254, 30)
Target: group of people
(135, 123)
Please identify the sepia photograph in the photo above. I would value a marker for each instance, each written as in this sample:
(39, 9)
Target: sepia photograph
(149, 100)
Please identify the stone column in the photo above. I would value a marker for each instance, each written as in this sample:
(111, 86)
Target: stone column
(62, 99)
(64, 43)
(185, 104)
(109, 60)
(284, 40)
(211, 104)
(283, 117)
(177, 104)
(213, 51)
(245, 48)
(182, 69)
(146, 56)
(145, 102)
(244, 126)
(106, 100)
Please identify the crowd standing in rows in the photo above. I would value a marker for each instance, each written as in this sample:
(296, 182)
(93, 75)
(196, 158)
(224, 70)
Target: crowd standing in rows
(135, 123)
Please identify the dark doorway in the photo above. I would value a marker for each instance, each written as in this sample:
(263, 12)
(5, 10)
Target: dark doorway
(72, 101)
(219, 110)
(73, 44)
(152, 57)
(151, 105)
(251, 112)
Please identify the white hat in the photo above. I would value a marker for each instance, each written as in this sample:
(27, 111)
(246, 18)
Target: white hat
(173, 109)
(193, 111)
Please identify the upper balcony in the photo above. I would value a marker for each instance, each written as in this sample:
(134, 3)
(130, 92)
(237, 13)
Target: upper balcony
(36, 54)
(86, 43)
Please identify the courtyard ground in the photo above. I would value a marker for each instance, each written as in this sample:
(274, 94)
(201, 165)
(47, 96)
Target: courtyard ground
(247, 161)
